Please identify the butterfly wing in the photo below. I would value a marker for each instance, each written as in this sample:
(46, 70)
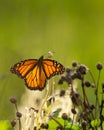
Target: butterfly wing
(36, 79)
(24, 67)
(36, 72)
(32, 72)
(45, 69)
(52, 67)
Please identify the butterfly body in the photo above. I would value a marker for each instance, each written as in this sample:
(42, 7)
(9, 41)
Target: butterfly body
(35, 72)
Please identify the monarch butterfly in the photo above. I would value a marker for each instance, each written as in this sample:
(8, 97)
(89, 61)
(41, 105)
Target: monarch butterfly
(35, 72)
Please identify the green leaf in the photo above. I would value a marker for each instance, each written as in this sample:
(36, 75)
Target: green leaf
(73, 127)
(56, 113)
(53, 124)
(5, 125)
(67, 124)
(95, 122)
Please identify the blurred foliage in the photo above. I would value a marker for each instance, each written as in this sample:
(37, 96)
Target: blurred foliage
(72, 29)
(5, 125)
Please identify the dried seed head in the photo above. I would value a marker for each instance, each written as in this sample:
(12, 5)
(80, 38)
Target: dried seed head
(68, 70)
(74, 64)
(44, 126)
(19, 115)
(84, 123)
(102, 85)
(82, 69)
(13, 123)
(13, 100)
(73, 111)
(68, 79)
(35, 128)
(61, 80)
(87, 83)
(75, 98)
(92, 107)
(59, 128)
(102, 118)
(99, 66)
(50, 54)
(79, 76)
(64, 116)
(62, 93)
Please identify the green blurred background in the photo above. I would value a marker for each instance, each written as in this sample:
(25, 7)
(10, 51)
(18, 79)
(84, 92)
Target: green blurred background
(72, 29)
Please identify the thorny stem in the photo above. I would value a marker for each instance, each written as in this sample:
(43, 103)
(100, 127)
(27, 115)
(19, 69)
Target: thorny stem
(19, 121)
(72, 119)
(52, 81)
(96, 93)
(16, 107)
(83, 90)
(101, 110)
(19, 124)
(92, 76)
(84, 93)
(85, 97)
(74, 105)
